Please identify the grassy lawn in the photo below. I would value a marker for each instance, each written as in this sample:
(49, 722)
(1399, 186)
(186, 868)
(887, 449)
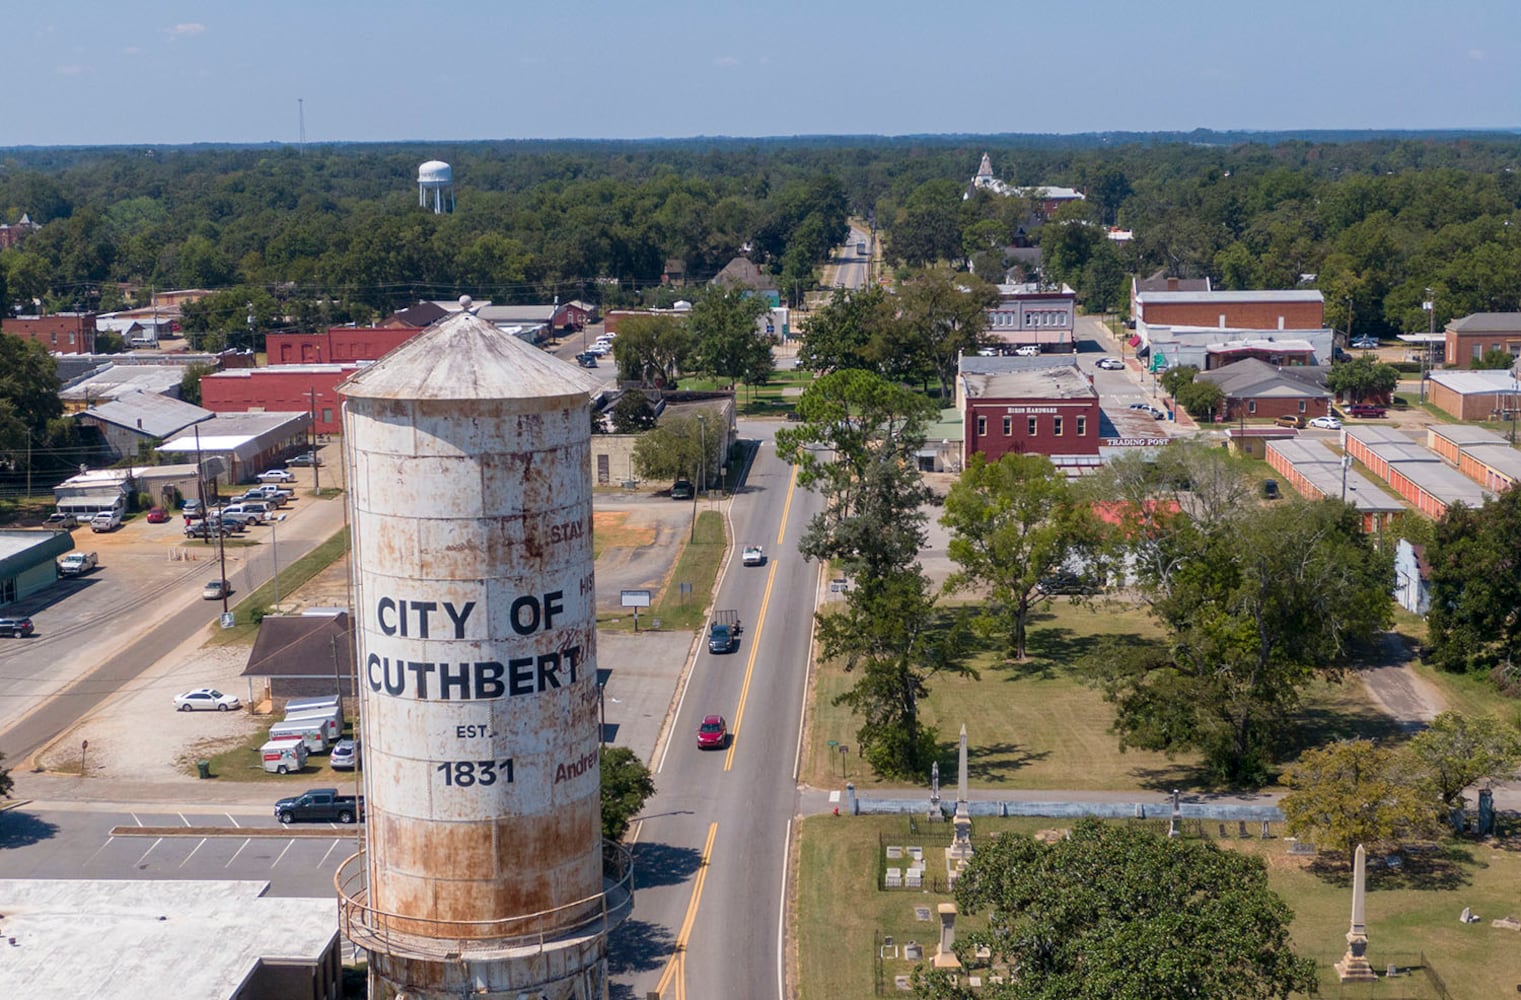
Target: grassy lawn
(292, 576)
(1039, 724)
(773, 399)
(1030, 725)
(698, 565)
(1414, 910)
(241, 763)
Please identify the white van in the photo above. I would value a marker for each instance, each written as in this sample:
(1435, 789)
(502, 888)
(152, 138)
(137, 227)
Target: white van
(312, 731)
(329, 718)
(283, 756)
(106, 520)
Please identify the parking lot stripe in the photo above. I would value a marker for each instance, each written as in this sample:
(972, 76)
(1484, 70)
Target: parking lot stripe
(97, 853)
(192, 853)
(237, 852)
(149, 851)
(289, 844)
(329, 853)
(183, 819)
(233, 820)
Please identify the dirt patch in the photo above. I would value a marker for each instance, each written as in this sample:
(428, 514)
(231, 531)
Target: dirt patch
(611, 530)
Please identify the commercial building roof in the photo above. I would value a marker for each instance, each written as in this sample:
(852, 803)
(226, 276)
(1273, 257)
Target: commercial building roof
(21, 548)
(107, 938)
(1260, 295)
(229, 431)
(120, 380)
(148, 412)
(1061, 382)
(1467, 435)
(1476, 383)
(1322, 468)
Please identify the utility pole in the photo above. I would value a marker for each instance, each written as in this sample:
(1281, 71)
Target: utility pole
(1430, 306)
(311, 396)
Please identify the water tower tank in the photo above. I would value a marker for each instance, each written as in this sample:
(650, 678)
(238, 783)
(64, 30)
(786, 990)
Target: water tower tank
(436, 178)
(469, 458)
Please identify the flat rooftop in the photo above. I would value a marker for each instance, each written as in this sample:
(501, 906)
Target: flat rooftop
(99, 939)
(1064, 382)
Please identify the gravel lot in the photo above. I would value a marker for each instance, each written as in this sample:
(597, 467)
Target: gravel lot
(140, 737)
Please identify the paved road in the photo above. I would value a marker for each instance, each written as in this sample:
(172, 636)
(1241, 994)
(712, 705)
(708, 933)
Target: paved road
(80, 658)
(712, 845)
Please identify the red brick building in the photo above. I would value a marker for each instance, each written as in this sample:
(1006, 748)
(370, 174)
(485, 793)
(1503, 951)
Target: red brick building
(1249, 310)
(337, 345)
(1052, 411)
(1473, 336)
(60, 333)
(279, 389)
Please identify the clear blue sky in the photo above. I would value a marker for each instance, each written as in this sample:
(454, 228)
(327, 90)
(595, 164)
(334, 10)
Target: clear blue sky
(148, 71)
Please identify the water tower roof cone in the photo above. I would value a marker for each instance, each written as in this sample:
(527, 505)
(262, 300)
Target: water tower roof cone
(465, 357)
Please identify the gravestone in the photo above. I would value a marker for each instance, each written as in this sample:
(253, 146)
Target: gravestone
(913, 951)
(945, 955)
(1467, 917)
(1174, 828)
(1486, 825)
(1267, 830)
(935, 815)
(1241, 833)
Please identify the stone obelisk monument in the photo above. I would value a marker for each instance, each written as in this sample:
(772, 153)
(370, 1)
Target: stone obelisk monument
(1354, 966)
(961, 846)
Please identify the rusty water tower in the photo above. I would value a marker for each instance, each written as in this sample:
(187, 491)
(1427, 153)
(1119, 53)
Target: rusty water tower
(484, 872)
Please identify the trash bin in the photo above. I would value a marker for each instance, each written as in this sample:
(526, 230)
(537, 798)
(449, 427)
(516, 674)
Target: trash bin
(203, 768)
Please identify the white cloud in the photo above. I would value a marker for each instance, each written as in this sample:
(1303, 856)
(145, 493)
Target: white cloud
(726, 61)
(72, 69)
(1476, 55)
(188, 29)
(132, 50)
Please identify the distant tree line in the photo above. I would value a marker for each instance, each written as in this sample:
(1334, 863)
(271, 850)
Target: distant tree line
(336, 234)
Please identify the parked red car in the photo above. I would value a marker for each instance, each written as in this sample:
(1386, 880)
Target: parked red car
(1366, 410)
(157, 515)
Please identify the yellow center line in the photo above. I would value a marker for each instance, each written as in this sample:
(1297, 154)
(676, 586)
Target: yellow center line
(691, 917)
(744, 690)
(781, 531)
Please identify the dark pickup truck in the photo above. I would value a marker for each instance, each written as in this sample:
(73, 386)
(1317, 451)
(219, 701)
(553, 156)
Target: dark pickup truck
(723, 632)
(320, 805)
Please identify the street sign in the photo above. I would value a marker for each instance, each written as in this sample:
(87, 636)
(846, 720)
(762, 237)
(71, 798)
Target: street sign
(229, 619)
(634, 598)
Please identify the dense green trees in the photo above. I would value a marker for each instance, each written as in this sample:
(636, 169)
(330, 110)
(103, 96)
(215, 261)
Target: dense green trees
(1118, 911)
(1355, 792)
(1475, 617)
(1363, 379)
(1255, 602)
(855, 447)
(28, 394)
(1013, 523)
(725, 339)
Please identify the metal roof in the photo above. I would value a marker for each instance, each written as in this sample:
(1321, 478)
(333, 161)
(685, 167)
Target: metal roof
(23, 548)
(1472, 383)
(149, 413)
(1488, 323)
(465, 357)
(1041, 383)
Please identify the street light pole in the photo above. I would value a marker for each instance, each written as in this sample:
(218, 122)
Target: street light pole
(1346, 463)
(1430, 306)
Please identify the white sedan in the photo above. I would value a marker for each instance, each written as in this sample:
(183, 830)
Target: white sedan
(753, 555)
(276, 476)
(1326, 423)
(208, 699)
(1110, 364)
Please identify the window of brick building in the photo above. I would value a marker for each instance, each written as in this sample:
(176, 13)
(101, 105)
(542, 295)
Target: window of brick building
(1082, 426)
(1056, 426)
(1008, 426)
(982, 426)
(1032, 426)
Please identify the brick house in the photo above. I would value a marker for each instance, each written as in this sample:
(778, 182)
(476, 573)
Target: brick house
(1051, 410)
(1473, 336)
(60, 333)
(1255, 390)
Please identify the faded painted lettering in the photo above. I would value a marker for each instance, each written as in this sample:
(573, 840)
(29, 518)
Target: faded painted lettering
(480, 680)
